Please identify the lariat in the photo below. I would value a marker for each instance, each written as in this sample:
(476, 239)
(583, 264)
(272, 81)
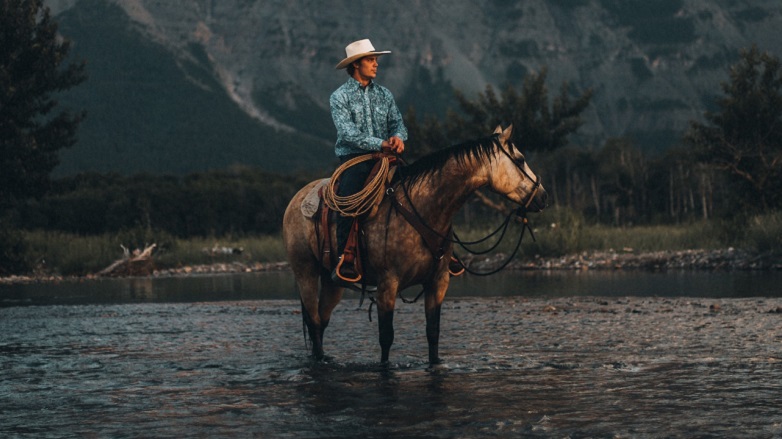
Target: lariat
(363, 201)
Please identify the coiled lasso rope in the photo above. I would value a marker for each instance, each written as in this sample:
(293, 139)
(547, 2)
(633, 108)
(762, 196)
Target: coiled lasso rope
(367, 198)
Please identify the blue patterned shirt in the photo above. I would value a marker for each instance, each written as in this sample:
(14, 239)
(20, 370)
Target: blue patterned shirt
(364, 117)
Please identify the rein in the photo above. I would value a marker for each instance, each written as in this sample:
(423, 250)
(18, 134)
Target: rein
(520, 213)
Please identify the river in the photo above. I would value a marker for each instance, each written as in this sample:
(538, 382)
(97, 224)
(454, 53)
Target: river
(557, 354)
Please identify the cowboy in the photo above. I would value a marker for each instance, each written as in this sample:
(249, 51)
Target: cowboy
(367, 120)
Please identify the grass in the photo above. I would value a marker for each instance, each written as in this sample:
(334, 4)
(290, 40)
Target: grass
(69, 254)
(560, 232)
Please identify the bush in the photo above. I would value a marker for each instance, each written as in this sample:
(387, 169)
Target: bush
(764, 233)
(13, 249)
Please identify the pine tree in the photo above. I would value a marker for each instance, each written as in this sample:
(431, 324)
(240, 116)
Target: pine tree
(33, 68)
(744, 138)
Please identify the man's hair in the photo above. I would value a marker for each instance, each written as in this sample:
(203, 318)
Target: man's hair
(350, 69)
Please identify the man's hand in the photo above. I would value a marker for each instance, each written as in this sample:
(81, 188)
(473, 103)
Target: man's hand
(396, 144)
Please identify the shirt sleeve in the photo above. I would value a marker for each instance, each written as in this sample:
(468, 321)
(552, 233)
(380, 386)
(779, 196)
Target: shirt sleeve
(348, 132)
(396, 124)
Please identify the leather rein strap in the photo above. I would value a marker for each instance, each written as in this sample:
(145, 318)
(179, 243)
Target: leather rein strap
(434, 242)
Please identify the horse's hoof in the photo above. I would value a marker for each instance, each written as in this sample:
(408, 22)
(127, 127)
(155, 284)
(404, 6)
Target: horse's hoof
(435, 365)
(322, 358)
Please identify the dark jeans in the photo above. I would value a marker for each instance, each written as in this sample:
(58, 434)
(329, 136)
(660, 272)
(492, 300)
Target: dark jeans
(351, 181)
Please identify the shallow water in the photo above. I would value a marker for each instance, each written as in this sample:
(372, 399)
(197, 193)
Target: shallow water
(280, 285)
(514, 366)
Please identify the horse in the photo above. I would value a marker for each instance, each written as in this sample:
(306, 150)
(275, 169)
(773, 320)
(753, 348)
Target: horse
(397, 256)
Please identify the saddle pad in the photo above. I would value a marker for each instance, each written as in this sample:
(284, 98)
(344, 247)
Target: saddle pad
(309, 206)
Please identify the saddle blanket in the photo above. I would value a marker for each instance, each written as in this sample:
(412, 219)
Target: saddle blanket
(309, 206)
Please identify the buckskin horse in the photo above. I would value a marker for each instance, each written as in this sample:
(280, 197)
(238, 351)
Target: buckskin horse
(397, 256)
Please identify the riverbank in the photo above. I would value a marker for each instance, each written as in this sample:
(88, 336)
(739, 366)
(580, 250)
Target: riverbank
(722, 259)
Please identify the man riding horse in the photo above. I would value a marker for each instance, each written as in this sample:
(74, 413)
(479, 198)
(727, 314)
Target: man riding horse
(367, 121)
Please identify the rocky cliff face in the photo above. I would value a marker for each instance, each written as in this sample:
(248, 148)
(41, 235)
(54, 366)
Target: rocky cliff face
(653, 65)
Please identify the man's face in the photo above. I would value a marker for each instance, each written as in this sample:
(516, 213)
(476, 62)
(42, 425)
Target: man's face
(367, 67)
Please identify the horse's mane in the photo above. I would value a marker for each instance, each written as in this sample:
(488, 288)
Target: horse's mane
(428, 165)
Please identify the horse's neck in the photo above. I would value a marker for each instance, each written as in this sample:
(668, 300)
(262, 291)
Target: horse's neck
(439, 196)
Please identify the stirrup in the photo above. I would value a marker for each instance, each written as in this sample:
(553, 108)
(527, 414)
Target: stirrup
(455, 268)
(337, 272)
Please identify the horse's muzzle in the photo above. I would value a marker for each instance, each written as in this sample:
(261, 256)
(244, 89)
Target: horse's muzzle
(539, 201)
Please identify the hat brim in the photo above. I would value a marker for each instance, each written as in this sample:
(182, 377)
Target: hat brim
(345, 62)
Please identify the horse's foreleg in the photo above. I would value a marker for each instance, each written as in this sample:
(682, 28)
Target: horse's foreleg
(433, 331)
(435, 294)
(385, 323)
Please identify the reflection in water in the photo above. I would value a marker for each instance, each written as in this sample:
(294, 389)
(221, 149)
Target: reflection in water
(281, 285)
(140, 289)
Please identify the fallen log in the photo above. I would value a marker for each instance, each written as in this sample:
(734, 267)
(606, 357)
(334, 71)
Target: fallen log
(137, 263)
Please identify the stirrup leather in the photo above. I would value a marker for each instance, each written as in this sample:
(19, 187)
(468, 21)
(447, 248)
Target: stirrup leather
(350, 258)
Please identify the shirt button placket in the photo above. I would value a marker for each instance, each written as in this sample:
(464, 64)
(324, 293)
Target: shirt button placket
(368, 112)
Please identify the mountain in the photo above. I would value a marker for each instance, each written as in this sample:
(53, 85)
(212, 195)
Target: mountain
(188, 86)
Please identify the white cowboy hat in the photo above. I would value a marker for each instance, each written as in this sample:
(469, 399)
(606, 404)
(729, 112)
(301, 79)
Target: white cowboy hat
(359, 49)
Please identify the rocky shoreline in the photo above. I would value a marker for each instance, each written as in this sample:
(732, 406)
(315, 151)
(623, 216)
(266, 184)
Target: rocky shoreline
(723, 259)
(729, 259)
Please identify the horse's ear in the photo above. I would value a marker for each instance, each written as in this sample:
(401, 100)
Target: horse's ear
(506, 134)
(498, 130)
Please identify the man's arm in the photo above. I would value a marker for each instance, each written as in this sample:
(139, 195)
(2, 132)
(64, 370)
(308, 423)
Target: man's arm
(396, 124)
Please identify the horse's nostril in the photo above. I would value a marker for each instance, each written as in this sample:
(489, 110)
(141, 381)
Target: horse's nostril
(543, 198)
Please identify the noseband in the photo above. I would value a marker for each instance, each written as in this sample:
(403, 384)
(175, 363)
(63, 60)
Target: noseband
(536, 181)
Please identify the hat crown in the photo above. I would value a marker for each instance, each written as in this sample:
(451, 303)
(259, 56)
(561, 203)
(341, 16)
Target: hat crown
(359, 47)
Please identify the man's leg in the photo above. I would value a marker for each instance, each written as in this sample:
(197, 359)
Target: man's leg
(351, 181)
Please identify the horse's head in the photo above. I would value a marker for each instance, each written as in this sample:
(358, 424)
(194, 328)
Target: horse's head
(512, 177)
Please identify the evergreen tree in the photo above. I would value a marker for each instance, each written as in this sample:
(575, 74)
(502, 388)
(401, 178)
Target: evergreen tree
(538, 125)
(32, 69)
(744, 138)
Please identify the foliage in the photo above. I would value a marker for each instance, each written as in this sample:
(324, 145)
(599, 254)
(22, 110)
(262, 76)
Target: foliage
(566, 232)
(732, 164)
(54, 252)
(32, 70)
(13, 249)
(234, 201)
(64, 253)
(539, 125)
(743, 139)
(764, 233)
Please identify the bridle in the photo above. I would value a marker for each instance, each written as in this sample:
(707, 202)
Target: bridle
(520, 214)
(519, 163)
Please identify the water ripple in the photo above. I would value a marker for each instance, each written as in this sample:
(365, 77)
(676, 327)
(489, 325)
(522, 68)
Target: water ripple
(577, 367)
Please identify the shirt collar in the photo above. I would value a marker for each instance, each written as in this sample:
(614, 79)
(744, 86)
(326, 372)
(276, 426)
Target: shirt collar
(357, 85)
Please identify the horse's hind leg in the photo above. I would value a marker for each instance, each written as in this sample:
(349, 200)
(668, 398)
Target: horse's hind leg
(330, 296)
(385, 321)
(307, 281)
(317, 306)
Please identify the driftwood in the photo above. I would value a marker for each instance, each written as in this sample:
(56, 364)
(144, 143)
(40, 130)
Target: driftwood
(137, 263)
